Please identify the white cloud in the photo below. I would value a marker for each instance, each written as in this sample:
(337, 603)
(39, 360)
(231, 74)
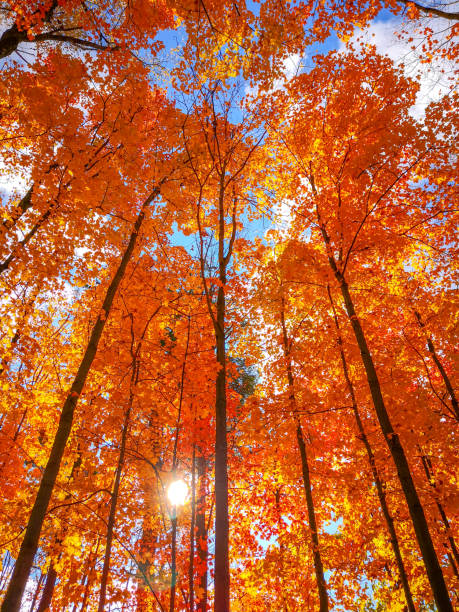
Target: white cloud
(291, 66)
(434, 76)
(283, 211)
(11, 184)
(283, 217)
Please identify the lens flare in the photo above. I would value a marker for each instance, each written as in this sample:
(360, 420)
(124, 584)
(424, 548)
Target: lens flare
(177, 492)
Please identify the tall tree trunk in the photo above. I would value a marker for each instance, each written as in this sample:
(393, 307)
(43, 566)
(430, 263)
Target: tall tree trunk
(374, 470)
(174, 468)
(10, 40)
(13, 596)
(221, 574)
(201, 535)
(192, 529)
(222, 577)
(454, 558)
(421, 528)
(173, 560)
(37, 591)
(51, 577)
(222, 584)
(48, 591)
(115, 492)
(281, 550)
(315, 547)
(92, 560)
(441, 369)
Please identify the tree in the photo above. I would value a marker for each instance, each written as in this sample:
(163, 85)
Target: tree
(220, 179)
(384, 168)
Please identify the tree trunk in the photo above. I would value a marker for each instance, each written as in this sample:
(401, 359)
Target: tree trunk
(13, 596)
(441, 369)
(92, 560)
(218, 314)
(201, 536)
(173, 560)
(221, 573)
(10, 40)
(454, 558)
(374, 470)
(37, 591)
(192, 529)
(115, 492)
(174, 468)
(221, 469)
(222, 579)
(318, 565)
(421, 528)
(48, 591)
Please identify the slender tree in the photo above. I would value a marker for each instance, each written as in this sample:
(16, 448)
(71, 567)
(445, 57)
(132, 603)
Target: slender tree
(12, 600)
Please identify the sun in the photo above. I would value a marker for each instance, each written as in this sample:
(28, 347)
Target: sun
(177, 492)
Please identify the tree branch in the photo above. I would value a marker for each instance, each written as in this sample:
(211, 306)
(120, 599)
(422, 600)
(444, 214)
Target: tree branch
(432, 11)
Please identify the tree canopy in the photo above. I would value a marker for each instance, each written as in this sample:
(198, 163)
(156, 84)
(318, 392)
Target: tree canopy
(228, 258)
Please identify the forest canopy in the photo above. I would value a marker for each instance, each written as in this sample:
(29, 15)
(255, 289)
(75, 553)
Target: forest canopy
(228, 305)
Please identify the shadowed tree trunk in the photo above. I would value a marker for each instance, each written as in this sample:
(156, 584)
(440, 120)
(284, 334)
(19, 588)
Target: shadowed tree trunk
(37, 591)
(48, 591)
(318, 565)
(13, 36)
(421, 528)
(441, 369)
(454, 557)
(229, 150)
(374, 470)
(10, 40)
(174, 469)
(221, 576)
(192, 529)
(201, 536)
(90, 571)
(13, 596)
(116, 490)
(221, 468)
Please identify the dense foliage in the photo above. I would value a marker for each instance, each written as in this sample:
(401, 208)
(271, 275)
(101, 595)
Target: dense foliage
(218, 268)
